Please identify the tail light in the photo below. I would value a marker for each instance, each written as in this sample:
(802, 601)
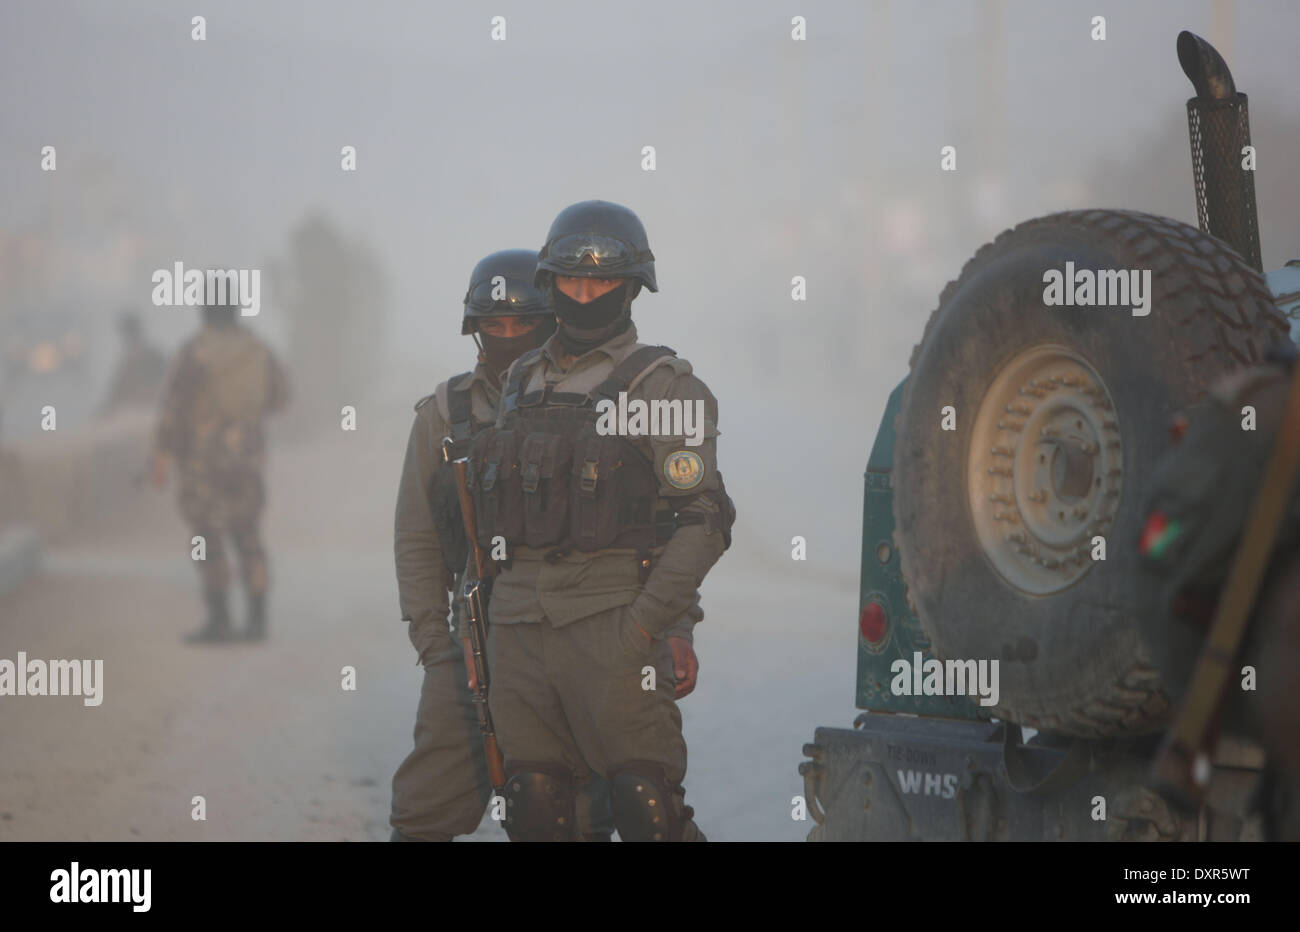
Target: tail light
(873, 622)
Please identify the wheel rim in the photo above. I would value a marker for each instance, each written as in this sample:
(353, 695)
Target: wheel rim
(1045, 469)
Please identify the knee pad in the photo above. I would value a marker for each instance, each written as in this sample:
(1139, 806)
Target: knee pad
(647, 806)
(540, 803)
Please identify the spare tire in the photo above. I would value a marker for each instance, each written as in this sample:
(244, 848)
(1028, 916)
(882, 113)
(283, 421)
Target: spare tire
(1060, 413)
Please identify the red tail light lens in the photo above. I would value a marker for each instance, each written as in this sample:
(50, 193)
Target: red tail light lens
(872, 622)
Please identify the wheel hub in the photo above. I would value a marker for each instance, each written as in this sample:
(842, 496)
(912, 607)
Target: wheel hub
(1044, 469)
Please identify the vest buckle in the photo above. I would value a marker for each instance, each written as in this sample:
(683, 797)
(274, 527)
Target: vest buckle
(531, 476)
(589, 476)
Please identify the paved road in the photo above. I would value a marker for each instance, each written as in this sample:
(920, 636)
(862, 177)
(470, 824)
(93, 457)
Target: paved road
(267, 735)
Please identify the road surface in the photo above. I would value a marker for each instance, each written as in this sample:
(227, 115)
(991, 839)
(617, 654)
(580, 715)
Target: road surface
(267, 735)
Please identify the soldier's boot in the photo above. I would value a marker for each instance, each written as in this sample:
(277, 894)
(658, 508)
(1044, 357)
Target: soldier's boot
(217, 626)
(540, 803)
(256, 630)
(650, 807)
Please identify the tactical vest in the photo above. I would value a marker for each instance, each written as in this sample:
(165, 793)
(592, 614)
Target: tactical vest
(238, 382)
(445, 497)
(546, 478)
(225, 384)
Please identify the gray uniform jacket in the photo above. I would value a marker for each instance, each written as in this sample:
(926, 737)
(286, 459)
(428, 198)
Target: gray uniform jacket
(422, 575)
(579, 585)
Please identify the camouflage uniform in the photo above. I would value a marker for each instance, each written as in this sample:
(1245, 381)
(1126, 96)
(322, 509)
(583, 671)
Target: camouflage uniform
(221, 386)
(441, 789)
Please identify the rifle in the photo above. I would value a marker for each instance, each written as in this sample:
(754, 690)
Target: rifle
(474, 590)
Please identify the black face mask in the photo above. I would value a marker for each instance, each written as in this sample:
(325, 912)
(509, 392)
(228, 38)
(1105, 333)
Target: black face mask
(593, 315)
(499, 352)
(583, 327)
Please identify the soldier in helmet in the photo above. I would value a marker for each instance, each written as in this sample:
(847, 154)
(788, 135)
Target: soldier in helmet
(441, 788)
(606, 537)
(221, 386)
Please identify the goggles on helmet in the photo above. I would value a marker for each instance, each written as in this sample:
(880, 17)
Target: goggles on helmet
(593, 252)
(519, 298)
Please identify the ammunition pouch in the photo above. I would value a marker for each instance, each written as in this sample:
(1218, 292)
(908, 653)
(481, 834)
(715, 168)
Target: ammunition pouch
(495, 483)
(548, 478)
(612, 495)
(544, 464)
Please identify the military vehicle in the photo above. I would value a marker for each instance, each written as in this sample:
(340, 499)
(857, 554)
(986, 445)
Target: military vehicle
(1004, 501)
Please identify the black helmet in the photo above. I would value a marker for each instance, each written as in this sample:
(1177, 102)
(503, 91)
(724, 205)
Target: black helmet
(520, 297)
(597, 239)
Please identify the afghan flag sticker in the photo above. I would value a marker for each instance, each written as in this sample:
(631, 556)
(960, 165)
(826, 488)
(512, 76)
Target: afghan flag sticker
(1158, 535)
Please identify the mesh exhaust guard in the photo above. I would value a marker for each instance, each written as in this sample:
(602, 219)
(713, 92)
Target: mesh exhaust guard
(1218, 123)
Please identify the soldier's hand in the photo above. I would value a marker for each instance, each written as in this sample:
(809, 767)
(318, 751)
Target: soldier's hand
(161, 463)
(469, 664)
(686, 666)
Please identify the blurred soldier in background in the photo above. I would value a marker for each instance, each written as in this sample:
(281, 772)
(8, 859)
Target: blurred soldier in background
(221, 386)
(140, 372)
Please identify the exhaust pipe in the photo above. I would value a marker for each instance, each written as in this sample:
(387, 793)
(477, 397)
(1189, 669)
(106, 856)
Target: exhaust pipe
(1218, 123)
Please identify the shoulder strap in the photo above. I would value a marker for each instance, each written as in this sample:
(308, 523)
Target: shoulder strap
(525, 362)
(458, 409)
(627, 370)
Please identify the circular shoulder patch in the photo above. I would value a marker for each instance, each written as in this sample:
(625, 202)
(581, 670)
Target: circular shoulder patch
(683, 469)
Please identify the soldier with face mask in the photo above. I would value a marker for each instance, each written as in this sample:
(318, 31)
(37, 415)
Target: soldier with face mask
(607, 538)
(441, 789)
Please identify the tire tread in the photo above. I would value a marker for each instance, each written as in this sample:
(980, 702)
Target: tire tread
(1233, 306)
